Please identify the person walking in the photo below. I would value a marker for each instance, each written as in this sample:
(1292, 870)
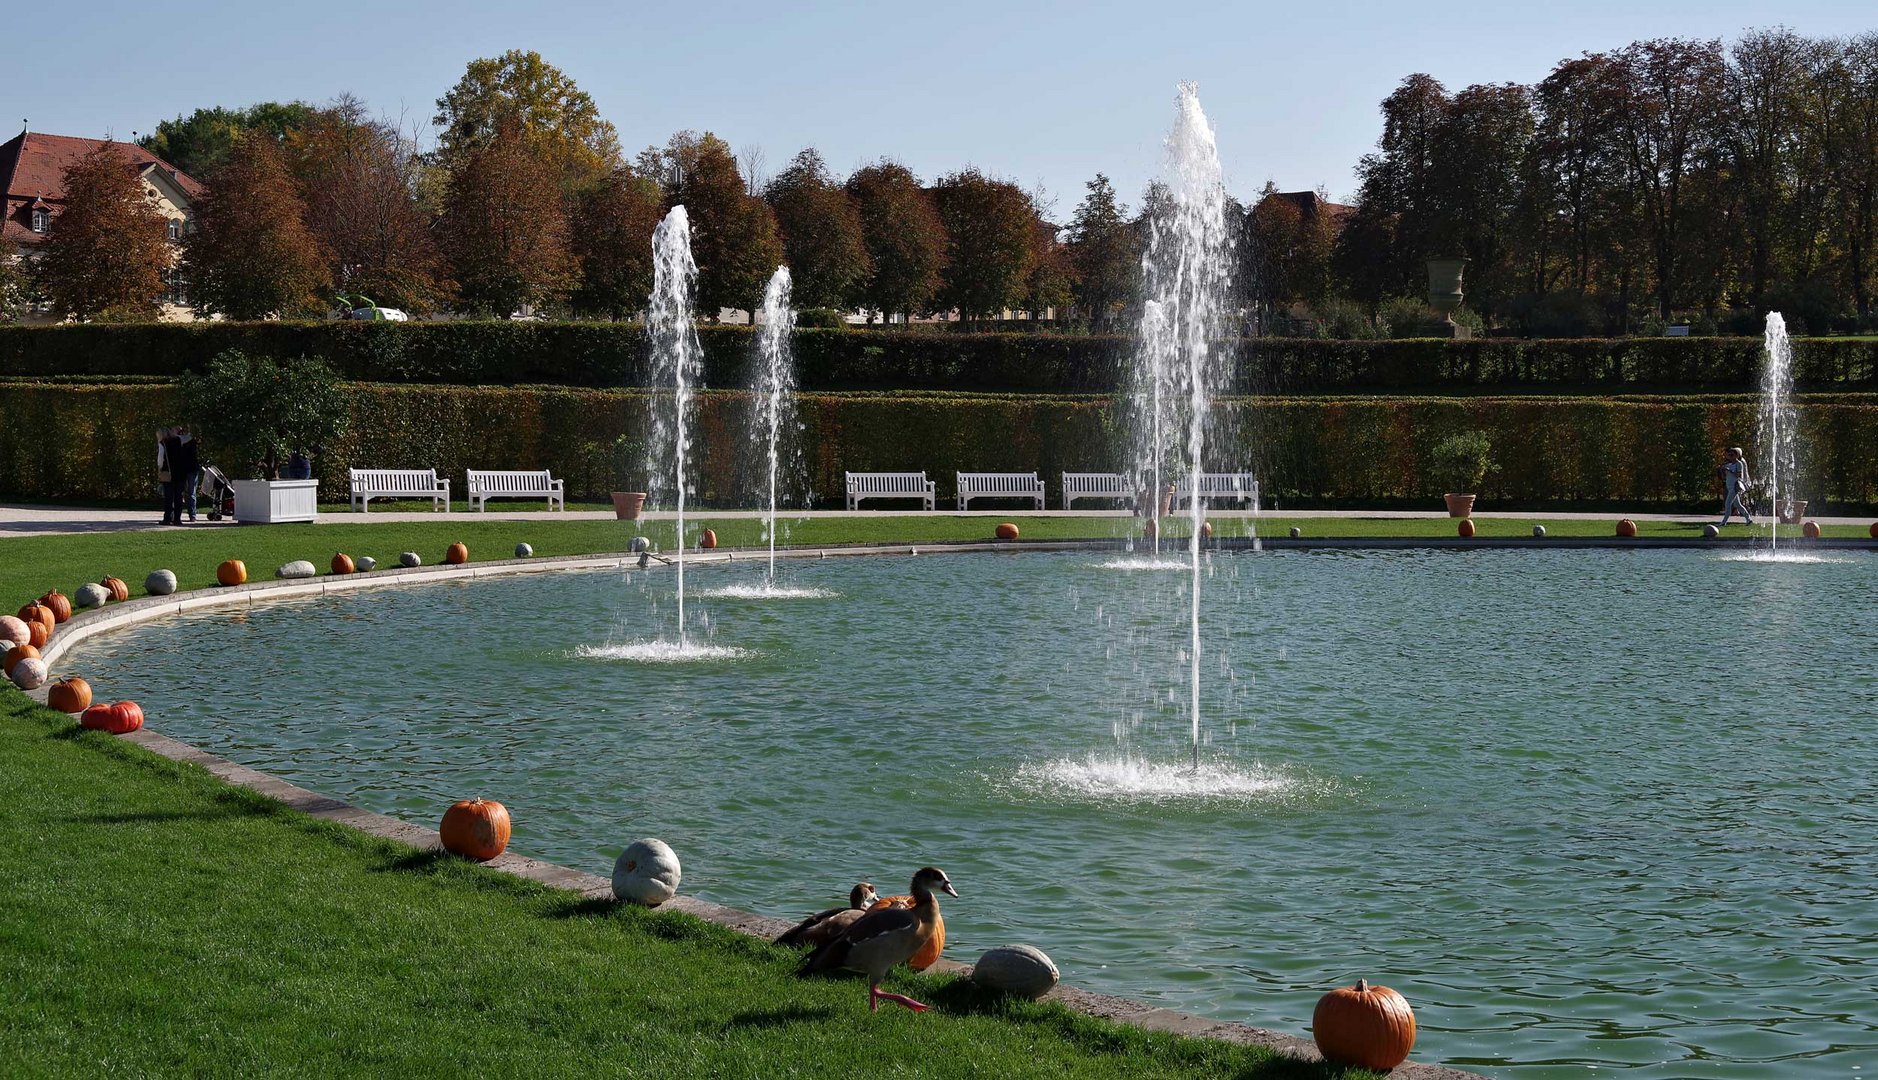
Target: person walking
(166, 477)
(186, 467)
(1734, 474)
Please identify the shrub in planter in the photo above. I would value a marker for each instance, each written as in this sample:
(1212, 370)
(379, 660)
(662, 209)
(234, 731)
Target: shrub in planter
(1460, 462)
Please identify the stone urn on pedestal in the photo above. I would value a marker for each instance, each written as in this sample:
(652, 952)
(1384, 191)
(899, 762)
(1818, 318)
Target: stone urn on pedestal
(1444, 293)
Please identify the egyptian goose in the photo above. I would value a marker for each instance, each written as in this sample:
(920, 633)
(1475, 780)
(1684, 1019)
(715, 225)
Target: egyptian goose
(824, 926)
(885, 936)
(930, 949)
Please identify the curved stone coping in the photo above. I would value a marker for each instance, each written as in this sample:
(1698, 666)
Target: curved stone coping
(130, 613)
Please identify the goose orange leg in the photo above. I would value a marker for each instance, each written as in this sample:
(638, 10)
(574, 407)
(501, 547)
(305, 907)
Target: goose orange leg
(875, 995)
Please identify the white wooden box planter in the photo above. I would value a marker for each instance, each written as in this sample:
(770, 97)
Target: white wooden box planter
(272, 502)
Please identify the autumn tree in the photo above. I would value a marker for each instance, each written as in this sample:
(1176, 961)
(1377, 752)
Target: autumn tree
(519, 90)
(106, 253)
(821, 233)
(990, 243)
(613, 223)
(1481, 152)
(1289, 246)
(904, 237)
(1050, 285)
(504, 228)
(358, 178)
(1846, 116)
(199, 142)
(15, 283)
(251, 255)
(1104, 251)
(734, 237)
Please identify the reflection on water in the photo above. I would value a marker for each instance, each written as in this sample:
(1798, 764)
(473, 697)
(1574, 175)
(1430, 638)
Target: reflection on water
(1582, 807)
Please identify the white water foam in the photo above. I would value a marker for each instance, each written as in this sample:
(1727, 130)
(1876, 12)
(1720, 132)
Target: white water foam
(1143, 562)
(767, 592)
(1788, 556)
(661, 652)
(1134, 779)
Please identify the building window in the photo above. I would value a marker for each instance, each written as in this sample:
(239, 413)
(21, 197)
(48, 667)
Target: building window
(176, 229)
(42, 220)
(175, 288)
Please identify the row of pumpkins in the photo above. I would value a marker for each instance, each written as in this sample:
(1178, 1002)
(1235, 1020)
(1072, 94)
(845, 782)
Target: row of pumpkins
(235, 572)
(23, 635)
(1362, 1025)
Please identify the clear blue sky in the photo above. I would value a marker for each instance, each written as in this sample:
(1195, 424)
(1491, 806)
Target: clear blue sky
(1038, 92)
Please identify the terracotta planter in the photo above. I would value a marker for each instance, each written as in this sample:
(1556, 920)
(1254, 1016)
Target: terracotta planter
(628, 504)
(1460, 505)
(1793, 513)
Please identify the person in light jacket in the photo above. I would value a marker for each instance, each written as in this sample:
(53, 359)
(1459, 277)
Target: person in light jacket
(1734, 474)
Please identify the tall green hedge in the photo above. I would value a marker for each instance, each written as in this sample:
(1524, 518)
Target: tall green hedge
(614, 355)
(67, 441)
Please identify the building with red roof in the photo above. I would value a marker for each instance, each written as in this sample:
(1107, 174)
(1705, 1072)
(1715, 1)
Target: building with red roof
(32, 185)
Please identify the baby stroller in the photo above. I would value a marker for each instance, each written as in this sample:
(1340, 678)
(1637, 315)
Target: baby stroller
(214, 489)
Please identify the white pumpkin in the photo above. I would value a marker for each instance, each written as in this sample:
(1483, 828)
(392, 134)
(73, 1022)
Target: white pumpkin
(14, 631)
(640, 544)
(160, 582)
(364, 562)
(299, 568)
(29, 674)
(1023, 970)
(91, 596)
(410, 558)
(523, 551)
(647, 873)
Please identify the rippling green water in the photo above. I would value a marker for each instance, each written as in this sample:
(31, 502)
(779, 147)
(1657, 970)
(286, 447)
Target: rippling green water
(1582, 808)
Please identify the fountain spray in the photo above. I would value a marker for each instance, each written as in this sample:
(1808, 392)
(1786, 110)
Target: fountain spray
(1776, 425)
(1180, 361)
(677, 360)
(775, 389)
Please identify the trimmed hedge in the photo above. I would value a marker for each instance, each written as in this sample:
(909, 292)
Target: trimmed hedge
(93, 442)
(614, 355)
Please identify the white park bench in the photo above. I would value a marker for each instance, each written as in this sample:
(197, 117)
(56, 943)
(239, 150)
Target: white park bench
(999, 485)
(369, 484)
(1217, 486)
(486, 484)
(890, 485)
(1094, 485)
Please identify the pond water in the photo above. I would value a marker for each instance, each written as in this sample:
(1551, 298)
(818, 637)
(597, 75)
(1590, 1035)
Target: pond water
(1584, 808)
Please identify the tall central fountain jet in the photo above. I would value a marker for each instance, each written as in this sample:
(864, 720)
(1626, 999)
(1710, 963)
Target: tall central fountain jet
(1181, 357)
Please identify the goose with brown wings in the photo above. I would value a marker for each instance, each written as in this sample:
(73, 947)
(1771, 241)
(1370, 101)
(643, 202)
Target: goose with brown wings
(884, 937)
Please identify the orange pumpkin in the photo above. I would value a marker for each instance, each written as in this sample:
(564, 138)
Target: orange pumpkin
(1007, 531)
(71, 695)
(1206, 530)
(119, 719)
(926, 954)
(1810, 530)
(38, 634)
(457, 553)
(1466, 528)
(58, 604)
(342, 564)
(15, 655)
(38, 612)
(232, 572)
(1371, 1027)
(1874, 530)
(707, 539)
(1626, 527)
(119, 591)
(476, 829)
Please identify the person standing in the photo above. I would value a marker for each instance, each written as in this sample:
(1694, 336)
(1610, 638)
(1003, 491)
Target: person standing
(1734, 474)
(186, 467)
(166, 477)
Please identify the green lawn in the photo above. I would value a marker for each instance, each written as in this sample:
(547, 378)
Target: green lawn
(32, 564)
(157, 922)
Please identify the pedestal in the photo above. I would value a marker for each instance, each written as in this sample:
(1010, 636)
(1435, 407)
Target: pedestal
(273, 502)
